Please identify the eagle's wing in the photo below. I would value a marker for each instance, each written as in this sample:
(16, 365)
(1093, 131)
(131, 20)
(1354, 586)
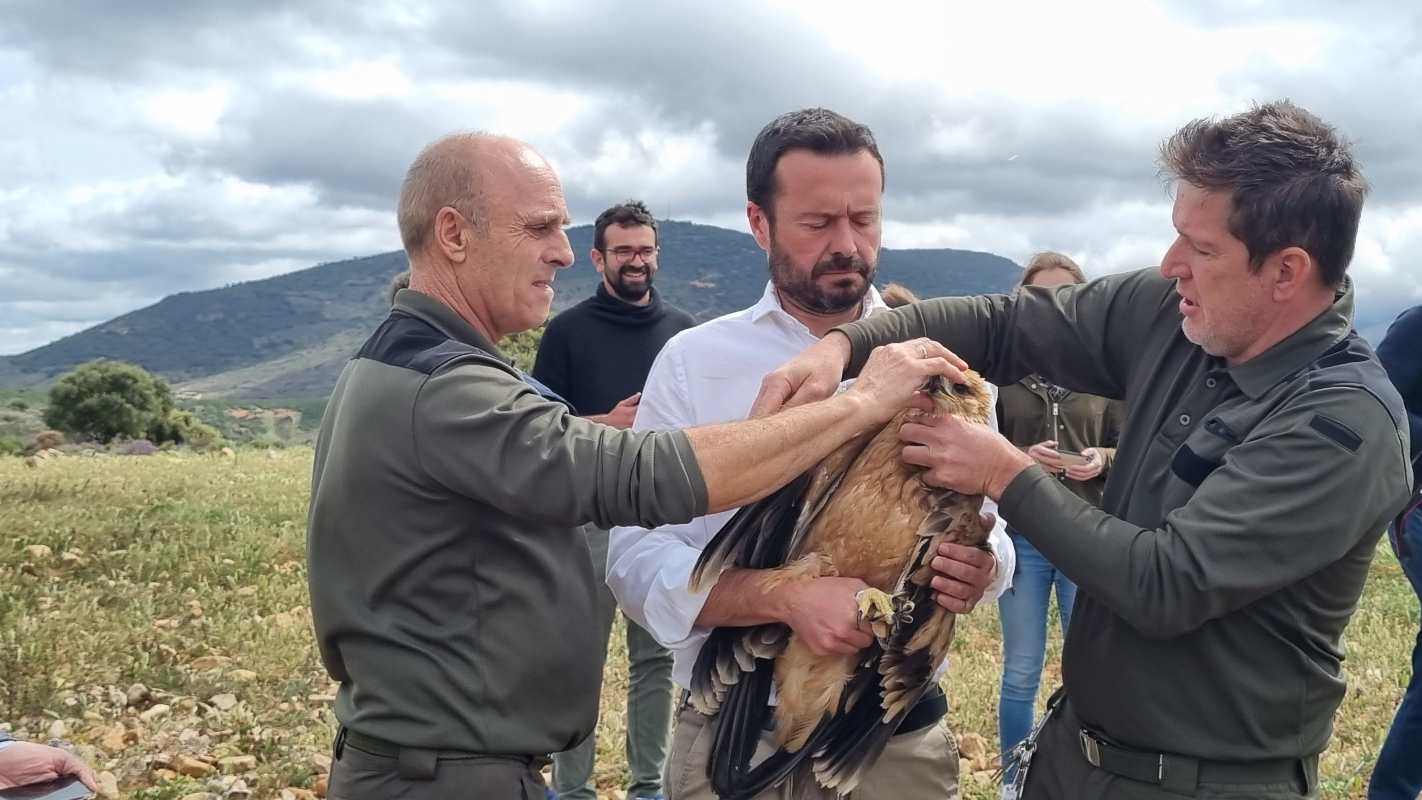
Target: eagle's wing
(733, 673)
(763, 535)
(878, 700)
(758, 537)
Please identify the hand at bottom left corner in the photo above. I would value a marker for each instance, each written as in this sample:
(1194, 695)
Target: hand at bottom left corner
(25, 763)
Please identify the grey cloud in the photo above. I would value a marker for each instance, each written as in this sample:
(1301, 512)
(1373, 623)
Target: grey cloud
(150, 39)
(638, 67)
(678, 66)
(354, 152)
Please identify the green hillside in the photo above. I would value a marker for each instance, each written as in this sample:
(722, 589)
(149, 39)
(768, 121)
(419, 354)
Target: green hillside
(287, 337)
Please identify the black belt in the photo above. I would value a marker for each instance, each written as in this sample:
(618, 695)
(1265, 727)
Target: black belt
(929, 709)
(415, 762)
(1182, 773)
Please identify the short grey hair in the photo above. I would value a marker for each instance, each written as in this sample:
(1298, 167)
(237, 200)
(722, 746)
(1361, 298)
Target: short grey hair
(445, 173)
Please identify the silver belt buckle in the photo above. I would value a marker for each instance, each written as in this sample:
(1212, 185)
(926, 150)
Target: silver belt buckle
(1090, 748)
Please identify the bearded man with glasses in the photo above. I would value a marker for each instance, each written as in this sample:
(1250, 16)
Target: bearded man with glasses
(597, 355)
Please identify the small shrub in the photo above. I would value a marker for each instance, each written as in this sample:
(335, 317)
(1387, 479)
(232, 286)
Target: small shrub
(183, 427)
(10, 446)
(19, 405)
(48, 440)
(136, 447)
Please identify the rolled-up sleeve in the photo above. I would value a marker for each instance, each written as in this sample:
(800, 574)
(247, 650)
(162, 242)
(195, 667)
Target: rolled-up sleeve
(481, 432)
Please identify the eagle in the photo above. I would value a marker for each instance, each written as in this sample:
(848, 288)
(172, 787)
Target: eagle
(861, 512)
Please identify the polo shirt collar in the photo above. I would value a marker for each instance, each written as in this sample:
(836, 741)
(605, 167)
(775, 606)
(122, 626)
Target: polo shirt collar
(1261, 373)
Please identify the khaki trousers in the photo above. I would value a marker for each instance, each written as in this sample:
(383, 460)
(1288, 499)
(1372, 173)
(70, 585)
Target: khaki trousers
(919, 765)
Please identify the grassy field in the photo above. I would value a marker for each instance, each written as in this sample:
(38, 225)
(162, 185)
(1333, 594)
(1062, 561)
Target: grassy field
(185, 574)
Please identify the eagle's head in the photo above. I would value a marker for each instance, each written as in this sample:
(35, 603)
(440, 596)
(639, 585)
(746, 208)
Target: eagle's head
(969, 400)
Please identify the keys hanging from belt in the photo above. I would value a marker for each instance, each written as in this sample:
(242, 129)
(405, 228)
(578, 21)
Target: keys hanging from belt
(1021, 755)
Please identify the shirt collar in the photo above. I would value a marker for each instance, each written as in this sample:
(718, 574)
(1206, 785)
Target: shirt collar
(443, 319)
(769, 304)
(1261, 373)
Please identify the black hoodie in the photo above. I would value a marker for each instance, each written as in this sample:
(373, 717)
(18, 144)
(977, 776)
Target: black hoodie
(599, 352)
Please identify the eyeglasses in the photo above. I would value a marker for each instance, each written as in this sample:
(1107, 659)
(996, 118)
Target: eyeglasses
(625, 255)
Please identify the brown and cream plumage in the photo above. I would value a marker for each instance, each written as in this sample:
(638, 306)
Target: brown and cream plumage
(862, 512)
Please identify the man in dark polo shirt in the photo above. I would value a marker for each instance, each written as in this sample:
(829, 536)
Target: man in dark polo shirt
(452, 589)
(1263, 453)
(597, 355)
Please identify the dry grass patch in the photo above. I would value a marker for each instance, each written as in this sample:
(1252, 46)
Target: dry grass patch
(155, 612)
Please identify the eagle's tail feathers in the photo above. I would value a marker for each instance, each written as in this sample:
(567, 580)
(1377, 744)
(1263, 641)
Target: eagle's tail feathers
(799, 734)
(855, 739)
(802, 785)
(739, 726)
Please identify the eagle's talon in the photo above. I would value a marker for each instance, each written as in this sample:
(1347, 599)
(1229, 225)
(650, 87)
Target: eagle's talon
(883, 612)
(874, 605)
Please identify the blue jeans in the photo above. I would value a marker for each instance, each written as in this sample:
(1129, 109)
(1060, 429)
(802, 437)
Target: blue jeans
(1398, 773)
(1023, 609)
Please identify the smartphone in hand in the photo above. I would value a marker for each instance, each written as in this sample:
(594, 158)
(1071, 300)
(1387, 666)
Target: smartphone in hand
(66, 788)
(1073, 459)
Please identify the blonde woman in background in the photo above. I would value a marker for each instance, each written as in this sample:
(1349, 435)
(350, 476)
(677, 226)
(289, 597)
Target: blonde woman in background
(1073, 436)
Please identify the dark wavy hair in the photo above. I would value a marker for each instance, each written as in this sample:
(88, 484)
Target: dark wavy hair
(1293, 181)
(630, 213)
(818, 130)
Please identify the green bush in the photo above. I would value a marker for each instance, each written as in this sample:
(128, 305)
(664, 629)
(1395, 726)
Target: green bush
(19, 405)
(10, 446)
(183, 427)
(268, 441)
(104, 400)
(522, 347)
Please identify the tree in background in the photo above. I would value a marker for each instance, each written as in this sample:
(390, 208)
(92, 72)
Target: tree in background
(105, 400)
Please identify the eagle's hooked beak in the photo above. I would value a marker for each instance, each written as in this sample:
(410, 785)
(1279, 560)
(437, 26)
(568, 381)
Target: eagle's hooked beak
(941, 390)
(935, 385)
(938, 388)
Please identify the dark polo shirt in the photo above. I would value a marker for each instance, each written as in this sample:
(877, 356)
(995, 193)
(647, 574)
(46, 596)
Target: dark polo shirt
(1239, 519)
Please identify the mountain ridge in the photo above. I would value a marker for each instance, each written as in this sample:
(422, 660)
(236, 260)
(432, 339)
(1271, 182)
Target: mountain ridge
(288, 335)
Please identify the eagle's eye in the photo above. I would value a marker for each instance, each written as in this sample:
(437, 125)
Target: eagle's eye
(961, 389)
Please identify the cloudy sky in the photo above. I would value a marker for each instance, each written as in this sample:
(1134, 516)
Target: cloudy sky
(167, 145)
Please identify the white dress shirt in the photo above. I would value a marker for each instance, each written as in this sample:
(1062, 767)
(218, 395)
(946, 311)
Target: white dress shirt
(706, 375)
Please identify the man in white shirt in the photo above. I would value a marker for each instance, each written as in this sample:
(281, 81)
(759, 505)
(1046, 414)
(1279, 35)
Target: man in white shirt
(814, 186)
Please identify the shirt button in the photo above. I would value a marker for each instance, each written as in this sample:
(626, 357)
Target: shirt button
(1211, 383)
(1184, 419)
